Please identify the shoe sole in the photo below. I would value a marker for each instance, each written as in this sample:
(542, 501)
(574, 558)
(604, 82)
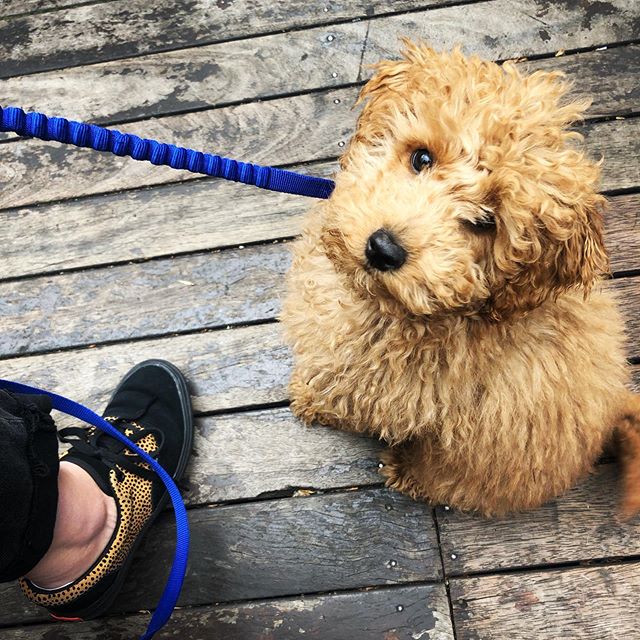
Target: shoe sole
(103, 604)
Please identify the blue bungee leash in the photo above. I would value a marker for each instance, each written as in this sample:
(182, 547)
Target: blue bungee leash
(80, 134)
(38, 125)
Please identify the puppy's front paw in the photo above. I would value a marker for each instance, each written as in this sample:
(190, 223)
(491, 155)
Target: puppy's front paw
(304, 404)
(304, 412)
(397, 471)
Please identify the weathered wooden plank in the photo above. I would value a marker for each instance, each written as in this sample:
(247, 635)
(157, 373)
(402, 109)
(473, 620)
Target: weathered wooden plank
(201, 77)
(153, 298)
(313, 544)
(380, 614)
(595, 603)
(227, 369)
(247, 455)
(283, 547)
(200, 291)
(193, 78)
(581, 525)
(288, 130)
(192, 216)
(623, 232)
(122, 28)
(608, 140)
(608, 77)
(511, 28)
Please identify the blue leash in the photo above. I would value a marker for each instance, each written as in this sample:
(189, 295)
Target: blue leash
(80, 134)
(178, 569)
(37, 125)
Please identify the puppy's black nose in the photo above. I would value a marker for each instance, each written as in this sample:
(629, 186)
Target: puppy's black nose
(383, 252)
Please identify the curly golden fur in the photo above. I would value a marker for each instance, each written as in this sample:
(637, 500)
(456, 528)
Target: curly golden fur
(492, 361)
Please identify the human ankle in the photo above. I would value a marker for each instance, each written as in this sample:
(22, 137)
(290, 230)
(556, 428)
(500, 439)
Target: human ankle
(85, 521)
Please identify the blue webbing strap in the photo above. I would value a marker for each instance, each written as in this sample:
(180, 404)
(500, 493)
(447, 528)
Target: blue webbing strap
(176, 576)
(37, 125)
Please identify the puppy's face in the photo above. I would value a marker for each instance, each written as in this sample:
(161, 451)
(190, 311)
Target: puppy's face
(461, 192)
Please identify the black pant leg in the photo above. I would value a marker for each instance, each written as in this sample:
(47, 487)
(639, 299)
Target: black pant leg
(28, 482)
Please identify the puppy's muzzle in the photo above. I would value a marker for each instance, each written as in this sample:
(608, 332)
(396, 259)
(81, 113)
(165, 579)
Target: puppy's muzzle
(383, 252)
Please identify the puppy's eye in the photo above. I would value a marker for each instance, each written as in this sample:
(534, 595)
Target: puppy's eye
(421, 159)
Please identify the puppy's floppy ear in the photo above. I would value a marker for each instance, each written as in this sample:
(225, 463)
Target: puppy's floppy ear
(385, 91)
(389, 76)
(389, 92)
(566, 252)
(383, 95)
(379, 95)
(583, 257)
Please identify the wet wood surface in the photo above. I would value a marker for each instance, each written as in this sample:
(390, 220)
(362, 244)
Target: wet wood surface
(106, 261)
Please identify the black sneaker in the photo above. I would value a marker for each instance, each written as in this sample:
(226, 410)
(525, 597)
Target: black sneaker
(151, 406)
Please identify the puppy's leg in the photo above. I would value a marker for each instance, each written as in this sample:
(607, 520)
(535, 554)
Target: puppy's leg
(628, 435)
(310, 313)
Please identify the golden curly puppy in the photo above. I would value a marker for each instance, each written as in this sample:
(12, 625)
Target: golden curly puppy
(447, 297)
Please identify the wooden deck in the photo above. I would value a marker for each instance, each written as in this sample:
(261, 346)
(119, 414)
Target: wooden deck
(106, 262)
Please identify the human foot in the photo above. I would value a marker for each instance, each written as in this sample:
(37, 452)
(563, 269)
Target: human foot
(151, 406)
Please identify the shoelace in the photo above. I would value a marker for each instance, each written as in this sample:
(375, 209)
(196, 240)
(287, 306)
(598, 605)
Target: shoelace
(97, 444)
